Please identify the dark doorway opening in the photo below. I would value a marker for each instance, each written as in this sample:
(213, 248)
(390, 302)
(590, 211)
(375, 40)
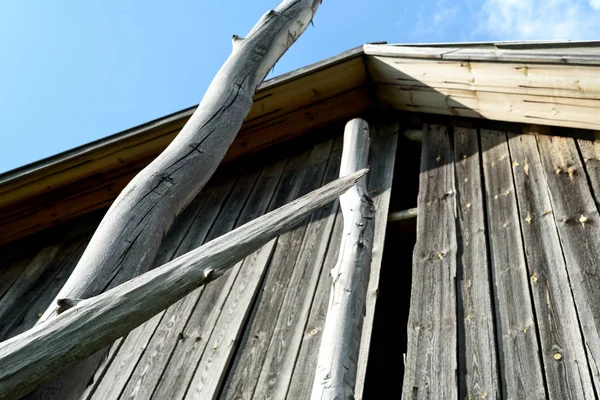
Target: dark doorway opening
(385, 368)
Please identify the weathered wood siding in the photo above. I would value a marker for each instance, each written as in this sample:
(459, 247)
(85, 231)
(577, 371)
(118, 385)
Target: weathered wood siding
(522, 206)
(252, 333)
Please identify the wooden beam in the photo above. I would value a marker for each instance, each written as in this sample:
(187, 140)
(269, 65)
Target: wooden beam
(431, 361)
(335, 377)
(411, 213)
(49, 348)
(98, 191)
(546, 94)
(484, 54)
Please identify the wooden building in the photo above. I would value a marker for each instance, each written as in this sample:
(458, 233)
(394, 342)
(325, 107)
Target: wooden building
(493, 291)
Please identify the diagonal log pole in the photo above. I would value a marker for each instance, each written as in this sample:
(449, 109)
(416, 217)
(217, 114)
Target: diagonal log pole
(335, 377)
(29, 358)
(127, 240)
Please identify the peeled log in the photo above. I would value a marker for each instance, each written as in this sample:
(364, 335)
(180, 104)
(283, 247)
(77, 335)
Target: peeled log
(127, 240)
(335, 377)
(43, 351)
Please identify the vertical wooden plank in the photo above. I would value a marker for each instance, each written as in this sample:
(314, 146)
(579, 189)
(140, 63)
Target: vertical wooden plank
(563, 354)
(134, 345)
(590, 151)
(37, 278)
(53, 284)
(520, 365)
(277, 370)
(578, 223)
(151, 365)
(382, 157)
(273, 185)
(194, 338)
(478, 363)
(254, 344)
(431, 364)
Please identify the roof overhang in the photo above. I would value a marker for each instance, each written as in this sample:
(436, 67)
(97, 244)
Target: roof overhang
(544, 83)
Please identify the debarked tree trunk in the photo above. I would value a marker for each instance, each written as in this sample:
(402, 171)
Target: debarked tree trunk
(127, 240)
(335, 378)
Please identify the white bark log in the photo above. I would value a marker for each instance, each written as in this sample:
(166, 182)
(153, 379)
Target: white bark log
(41, 352)
(336, 369)
(127, 239)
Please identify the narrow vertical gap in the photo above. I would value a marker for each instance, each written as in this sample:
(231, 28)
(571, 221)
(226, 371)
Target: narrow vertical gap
(527, 270)
(595, 389)
(385, 364)
(587, 175)
(492, 279)
(460, 312)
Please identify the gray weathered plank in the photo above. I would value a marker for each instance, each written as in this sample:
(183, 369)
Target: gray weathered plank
(136, 341)
(590, 151)
(517, 333)
(578, 223)
(58, 344)
(477, 352)
(34, 282)
(50, 285)
(149, 369)
(196, 222)
(276, 373)
(563, 353)
(382, 157)
(431, 365)
(194, 337)
(12, 270)
(254, 344)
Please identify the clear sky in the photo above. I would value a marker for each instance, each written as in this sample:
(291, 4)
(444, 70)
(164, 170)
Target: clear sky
(72, 71)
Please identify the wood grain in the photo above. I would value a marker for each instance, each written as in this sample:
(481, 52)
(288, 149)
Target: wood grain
(382, 161)
(563, 351)
(517, 333)
(27, 359)
(576, 217)
(478, 375)
(258, 333)
(431, 365)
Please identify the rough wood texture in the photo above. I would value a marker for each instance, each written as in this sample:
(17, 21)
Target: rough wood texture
(225, 306)
(37, 285)
(563, 352)
(590, 152)
(139, 355)
(477, 353)
(382, 157)
(260, 330)
(127, 239)
(28, 359)
(338, 355)
(542, 93)
(576, 217)
(221, 341)
(278, 368)
(431, 364)
(516, 331)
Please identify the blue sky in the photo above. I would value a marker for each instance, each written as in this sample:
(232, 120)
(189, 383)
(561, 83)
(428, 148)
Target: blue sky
(73, 71)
